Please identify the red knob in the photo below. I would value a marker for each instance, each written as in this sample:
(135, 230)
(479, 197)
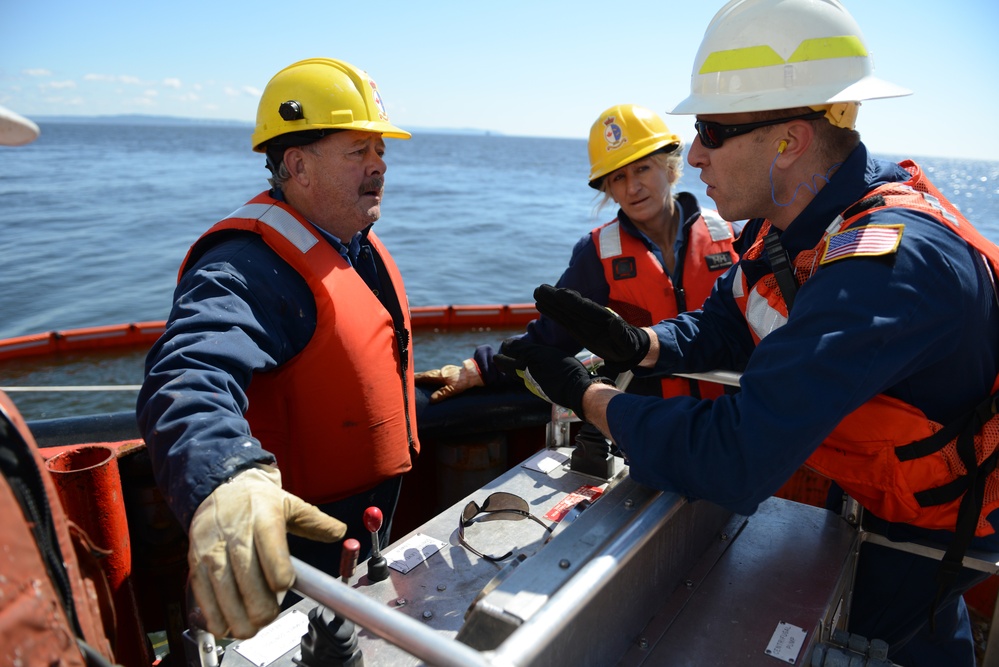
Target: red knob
(348, 557)
(373, 519)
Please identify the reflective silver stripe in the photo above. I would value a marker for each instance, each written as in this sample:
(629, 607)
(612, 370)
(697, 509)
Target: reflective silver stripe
(935, 203)
(737, 282)
(279, 220)
(833, 226)
(761, 317)
(610, 240)
(718, 228)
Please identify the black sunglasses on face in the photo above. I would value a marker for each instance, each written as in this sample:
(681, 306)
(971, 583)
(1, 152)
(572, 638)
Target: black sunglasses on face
(713, 135)
(497, 503)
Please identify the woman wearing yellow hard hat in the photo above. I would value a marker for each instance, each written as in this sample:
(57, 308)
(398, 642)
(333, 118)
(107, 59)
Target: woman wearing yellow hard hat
(657, 258)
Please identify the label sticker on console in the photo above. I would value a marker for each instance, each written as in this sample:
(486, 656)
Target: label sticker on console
(786, 642)
(412, 552)
(590, 493)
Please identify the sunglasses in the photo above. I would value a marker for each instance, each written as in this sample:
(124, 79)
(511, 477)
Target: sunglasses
(713, 135)
(498, 504)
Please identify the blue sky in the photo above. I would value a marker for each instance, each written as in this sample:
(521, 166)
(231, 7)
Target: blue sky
(541, 68)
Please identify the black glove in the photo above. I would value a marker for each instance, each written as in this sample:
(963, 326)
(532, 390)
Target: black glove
(600, 330)
(548, 372)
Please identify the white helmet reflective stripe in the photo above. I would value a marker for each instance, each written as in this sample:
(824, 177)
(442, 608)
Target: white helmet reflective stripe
(758, 55)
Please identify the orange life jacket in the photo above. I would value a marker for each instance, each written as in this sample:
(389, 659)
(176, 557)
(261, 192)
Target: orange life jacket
(642, 292)
(38, 625)
(340, 417)
(887, 454)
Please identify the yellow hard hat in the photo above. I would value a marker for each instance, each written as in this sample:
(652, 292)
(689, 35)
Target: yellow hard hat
(758, 55)
(625, 133)
(320, 94)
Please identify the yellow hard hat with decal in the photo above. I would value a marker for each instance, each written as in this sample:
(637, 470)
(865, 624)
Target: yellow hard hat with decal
(758, 55)
(625, 133)
(321, 94)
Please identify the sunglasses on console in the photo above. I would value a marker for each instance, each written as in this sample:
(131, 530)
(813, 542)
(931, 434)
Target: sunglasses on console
(499, 503)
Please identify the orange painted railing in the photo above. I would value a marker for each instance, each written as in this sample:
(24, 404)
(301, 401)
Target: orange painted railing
(145, 333)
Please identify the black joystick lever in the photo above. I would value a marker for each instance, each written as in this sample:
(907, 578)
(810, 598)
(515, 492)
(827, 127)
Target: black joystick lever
(592, 455)
(332, 640)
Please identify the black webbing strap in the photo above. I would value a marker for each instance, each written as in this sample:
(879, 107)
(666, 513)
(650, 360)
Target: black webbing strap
(972, 485)
(781, 266)
(967, 521)
(873, 201)
(977, 417)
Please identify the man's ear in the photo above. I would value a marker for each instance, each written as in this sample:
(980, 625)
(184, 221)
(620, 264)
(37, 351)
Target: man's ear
(294, 162)
(798, 135)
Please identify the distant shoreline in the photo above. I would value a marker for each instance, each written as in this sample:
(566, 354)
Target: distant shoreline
(166, 121)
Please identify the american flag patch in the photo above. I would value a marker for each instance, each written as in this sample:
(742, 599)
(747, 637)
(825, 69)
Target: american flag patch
(869, 241)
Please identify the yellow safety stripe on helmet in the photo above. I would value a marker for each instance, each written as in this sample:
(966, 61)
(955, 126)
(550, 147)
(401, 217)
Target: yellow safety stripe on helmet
(752, 57)
(827, 48)
(749, 57)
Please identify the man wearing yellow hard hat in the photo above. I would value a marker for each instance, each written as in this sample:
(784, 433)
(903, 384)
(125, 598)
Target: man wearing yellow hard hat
(284, 378)
(659, 256)
(863, 315)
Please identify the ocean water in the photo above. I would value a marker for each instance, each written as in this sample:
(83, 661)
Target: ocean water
(96, 219)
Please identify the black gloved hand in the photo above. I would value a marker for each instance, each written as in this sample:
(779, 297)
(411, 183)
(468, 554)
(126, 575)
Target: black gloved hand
(600, 330)
(548, 372)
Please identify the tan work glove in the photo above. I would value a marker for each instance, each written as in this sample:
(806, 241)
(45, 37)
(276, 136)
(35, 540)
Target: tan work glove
(239, 559)
(452, 380)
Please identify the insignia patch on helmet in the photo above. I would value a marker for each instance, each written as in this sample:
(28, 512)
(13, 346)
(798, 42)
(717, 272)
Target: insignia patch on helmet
(624, 268)
(613, 134)
(382, 114)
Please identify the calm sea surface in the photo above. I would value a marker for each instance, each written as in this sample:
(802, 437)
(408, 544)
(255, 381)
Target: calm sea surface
(96, 218)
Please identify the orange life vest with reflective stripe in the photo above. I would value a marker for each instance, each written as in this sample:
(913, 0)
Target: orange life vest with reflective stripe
(642, 292)
(869, 452)
(340, 417)
(35, 626)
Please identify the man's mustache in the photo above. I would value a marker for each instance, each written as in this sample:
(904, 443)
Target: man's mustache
(375, 183)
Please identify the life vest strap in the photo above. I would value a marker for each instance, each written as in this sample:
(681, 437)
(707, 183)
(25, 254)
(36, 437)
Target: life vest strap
(977, 417)
(781, 265)
(967, 521)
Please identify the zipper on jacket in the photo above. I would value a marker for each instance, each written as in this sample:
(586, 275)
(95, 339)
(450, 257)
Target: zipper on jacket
(25, 481)
(402, 336)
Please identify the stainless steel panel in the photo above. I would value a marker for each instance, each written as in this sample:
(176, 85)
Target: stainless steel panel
(792, 563)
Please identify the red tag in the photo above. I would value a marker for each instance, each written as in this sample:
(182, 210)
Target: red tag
(590, 493)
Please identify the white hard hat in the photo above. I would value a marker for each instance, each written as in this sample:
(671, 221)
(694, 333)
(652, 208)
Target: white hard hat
(15, 129)
(758, 55)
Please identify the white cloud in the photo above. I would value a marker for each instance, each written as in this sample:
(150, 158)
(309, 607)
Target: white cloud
(252, 91)
(58, 85)
(151, 93)
(37, 72)
(172, 82)
(112, 78)
(61, 102)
